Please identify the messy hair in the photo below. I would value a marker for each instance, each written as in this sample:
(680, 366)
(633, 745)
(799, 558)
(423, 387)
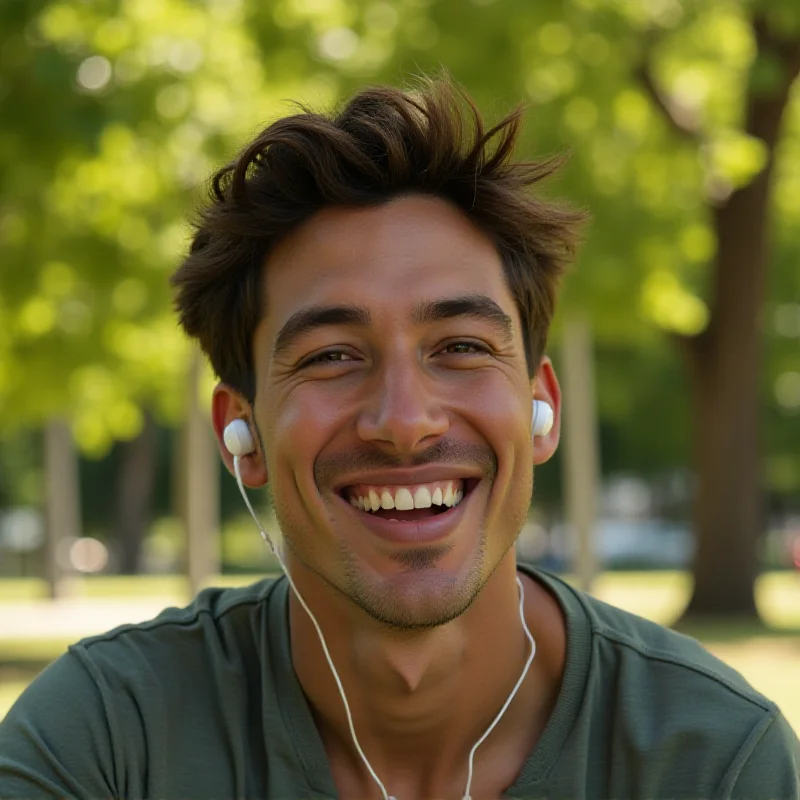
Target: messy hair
(383, 143)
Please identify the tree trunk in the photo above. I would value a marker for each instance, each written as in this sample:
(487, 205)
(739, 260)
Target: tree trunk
(199, 487)
(63, 509)
(725, 371)
(134, 494)
(582, 458)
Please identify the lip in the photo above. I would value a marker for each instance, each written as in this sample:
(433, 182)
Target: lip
(407, 477)
(423, 531)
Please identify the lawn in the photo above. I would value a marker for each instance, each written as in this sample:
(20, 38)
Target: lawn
(767, 655)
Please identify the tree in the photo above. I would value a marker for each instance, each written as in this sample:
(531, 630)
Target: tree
(113, 114)
(134, 494)
(725, 358)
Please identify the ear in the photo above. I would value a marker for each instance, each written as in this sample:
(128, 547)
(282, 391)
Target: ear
(227, 405)
(545, 387)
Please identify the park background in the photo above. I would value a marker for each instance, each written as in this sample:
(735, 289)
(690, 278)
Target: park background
(676, 492)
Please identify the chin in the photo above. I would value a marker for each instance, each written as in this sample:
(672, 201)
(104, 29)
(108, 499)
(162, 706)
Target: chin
(428, 590)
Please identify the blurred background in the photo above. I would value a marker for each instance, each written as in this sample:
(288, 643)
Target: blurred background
(676, 492)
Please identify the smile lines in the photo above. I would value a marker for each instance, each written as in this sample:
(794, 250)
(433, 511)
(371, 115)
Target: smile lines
(405, 498)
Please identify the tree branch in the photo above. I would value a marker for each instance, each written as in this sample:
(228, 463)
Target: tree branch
(682, 120)
(764, 111)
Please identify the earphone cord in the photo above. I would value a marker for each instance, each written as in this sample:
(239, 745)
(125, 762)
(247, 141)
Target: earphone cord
(335, 674)
(313, 619)
(521, 678)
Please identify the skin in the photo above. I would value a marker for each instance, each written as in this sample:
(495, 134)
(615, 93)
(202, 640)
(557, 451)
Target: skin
(426, 638)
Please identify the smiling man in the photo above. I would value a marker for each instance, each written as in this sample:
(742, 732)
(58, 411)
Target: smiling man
(374, 290)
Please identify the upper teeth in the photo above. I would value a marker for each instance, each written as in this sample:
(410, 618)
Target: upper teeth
(404, 498)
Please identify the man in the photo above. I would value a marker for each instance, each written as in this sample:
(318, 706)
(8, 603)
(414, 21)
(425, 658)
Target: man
(374, 291)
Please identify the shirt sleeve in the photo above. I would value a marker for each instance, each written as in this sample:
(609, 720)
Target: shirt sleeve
(55, 740)
(768, 766)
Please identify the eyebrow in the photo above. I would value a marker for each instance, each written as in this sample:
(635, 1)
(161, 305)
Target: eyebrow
(476, 306)
(310, 319)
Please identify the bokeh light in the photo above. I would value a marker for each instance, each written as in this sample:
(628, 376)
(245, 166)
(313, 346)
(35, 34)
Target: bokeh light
(94, 73)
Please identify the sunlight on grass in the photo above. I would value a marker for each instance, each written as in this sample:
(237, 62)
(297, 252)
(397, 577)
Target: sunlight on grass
(31, 650)
(662, 596)
(778, 599)
(175, 588)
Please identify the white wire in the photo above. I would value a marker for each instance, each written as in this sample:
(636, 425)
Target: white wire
(335, 674)
(513, 691)
(313, 619)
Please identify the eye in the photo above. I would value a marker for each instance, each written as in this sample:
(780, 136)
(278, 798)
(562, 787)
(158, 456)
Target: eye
(328, 357)
(465, 348)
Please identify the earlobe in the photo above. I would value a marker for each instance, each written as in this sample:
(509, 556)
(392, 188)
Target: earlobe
(546, 412)
(231, 414)
(251, 467)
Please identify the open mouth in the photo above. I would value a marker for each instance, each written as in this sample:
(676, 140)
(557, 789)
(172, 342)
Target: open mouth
(409, 503)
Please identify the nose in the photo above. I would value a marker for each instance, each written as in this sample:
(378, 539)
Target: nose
(403, 415)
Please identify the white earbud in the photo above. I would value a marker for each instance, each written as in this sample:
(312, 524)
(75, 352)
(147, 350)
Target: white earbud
(542, 420)
(238, 438)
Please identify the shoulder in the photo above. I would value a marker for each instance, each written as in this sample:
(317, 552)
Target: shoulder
(643, 655)
(767, 765)
(114, 700)
(672, 712)
(181, 647)
(55, 739)
(676, 663)
(213, 609)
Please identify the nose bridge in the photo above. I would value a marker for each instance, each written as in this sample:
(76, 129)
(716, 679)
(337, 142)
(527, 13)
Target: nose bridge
(403, 409)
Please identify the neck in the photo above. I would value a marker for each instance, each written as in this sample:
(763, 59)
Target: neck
(421, 699)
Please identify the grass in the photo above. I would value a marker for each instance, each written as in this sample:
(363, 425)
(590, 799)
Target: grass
(662, 596)
(766, 653)
(118, 587)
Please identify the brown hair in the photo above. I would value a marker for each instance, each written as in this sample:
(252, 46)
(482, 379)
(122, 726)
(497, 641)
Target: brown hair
(383, 143)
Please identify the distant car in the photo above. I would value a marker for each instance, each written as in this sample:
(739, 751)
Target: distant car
(644, 543)
(619, 544)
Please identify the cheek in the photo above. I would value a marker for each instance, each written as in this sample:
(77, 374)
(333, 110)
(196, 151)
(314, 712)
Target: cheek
(296, 426)
(506, 426)
(300, 427)
(504, 417)
(293, 444)
(511, 501)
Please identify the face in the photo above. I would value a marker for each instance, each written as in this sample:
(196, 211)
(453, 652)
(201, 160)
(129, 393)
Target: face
(394, 403)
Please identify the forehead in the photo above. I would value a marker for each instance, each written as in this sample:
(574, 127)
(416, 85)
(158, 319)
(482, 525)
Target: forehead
(386, 258)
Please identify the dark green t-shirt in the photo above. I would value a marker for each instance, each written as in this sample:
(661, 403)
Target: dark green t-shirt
(203, 702)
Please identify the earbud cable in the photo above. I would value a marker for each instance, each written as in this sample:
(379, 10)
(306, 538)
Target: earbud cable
(385, 795)
(313, 619)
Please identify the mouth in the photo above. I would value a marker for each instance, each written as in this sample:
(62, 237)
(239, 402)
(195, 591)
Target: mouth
(410, 513)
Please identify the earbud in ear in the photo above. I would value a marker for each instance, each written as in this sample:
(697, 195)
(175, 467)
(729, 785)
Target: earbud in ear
(542, 420)
(238, 438)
